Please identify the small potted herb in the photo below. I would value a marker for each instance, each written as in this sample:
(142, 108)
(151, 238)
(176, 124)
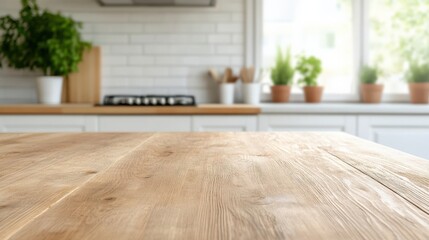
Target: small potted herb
(371, 92)
(282, 77)
(310, 69)
(418, 82)
(41, 40)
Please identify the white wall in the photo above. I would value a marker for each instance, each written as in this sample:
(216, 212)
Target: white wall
(147, 49)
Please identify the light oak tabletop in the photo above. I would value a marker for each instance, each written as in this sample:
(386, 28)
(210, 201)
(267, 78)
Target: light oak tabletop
(209, 186)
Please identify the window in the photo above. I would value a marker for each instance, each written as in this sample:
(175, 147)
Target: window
(398, 31)
(345, 34)
(324, 30)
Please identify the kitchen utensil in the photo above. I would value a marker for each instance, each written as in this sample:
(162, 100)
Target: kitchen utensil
(233, 79)
(251, 74)
(214, 75)
(243, 75)
(227, 75)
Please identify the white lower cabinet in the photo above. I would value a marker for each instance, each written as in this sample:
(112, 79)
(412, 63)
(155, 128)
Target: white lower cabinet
(225, 123)
(305, 123)
(48, 123)
(144, 123)
(406, 133)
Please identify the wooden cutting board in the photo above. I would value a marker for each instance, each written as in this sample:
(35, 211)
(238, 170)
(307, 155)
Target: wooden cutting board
(84, 85)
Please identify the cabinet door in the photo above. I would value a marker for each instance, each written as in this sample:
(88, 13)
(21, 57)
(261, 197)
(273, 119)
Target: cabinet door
(224, 123)
(144, 123)
(406, 133)
(305, 123)
(37, 123)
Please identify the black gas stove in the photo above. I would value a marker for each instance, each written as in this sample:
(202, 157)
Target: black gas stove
(149, 100)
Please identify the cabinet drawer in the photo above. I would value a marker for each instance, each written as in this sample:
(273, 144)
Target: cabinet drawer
(144, 123)
(224, 123)
(303, 123)
(37, 123)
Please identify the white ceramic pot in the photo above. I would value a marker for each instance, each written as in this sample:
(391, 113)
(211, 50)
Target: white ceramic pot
(226, 93)
(252, 93)
(49, 90)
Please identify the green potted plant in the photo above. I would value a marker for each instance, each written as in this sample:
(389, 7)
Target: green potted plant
(310, 69)
(418, 82)
(282, 77)
(371, 92)
(41, 40)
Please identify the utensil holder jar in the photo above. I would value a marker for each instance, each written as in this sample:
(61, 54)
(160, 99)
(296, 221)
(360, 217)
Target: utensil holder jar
(252, 93)
(226, 93)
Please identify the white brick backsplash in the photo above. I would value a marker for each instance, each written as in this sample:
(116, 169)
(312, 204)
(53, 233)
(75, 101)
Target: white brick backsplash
(125, 28)
(155, 71)
(179, 49)
(126, 71)
(147, 50)
(101, 17)
(110, 38)
(115, 60)
(170, 82)
(229, 49)
(126, 49)
(180, 28)
(141, 60)
(169, 38)
(219, 38)
(230, 28)
(193, 61)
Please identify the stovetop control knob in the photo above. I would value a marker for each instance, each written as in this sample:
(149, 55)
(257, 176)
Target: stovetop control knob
(171, 101)
(162, 101)
(153, 101)
(146, 101)
(138, 101)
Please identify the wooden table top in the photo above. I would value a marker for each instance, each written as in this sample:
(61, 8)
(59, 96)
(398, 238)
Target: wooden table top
(209, 186)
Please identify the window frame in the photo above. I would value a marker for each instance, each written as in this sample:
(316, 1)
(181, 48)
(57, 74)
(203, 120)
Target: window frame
(253, 47)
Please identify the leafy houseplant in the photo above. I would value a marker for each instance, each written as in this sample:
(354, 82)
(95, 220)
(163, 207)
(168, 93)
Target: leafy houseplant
(371, 92)
(418, 82)
(310, 69)
(282, 77)
(44, 41)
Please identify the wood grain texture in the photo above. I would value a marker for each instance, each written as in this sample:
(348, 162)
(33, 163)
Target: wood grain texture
(38, 170)
(86, 109)
(236, 186)
(403, 173)
(84, 86)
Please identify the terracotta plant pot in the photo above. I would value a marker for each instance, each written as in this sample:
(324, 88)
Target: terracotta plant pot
(313, 94)
(419, 93)
(280, 93)
(371, 93)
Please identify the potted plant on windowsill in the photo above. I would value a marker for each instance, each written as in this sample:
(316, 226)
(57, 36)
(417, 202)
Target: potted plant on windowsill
(310, 69)
(282, 77)
(418, 82)
(371, 92)
(43, 41)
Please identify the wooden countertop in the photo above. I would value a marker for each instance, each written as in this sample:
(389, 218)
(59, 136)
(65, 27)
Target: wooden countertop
(209, 186)
(82, 109)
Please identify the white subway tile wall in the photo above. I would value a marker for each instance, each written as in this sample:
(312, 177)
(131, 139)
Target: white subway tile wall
(160, 50)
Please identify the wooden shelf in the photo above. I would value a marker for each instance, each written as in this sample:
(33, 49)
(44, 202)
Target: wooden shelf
(83, 109)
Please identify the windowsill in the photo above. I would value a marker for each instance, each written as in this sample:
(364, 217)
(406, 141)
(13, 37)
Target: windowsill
(345, 108)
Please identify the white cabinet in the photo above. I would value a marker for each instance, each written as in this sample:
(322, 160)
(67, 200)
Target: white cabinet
(303, 123)
(224, 123)
(406, 133)
(48, 123)
(144, 123)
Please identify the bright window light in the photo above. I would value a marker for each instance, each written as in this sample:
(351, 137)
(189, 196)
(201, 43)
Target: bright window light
(323, 28)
